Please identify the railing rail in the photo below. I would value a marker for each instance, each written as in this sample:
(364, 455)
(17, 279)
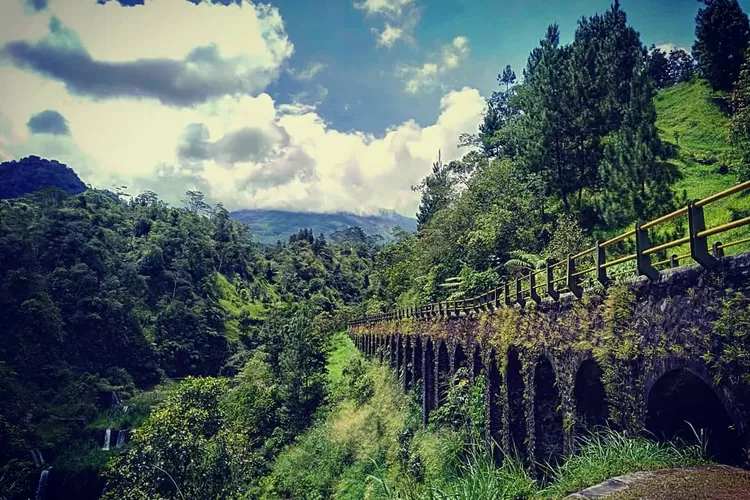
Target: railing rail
(544, 282)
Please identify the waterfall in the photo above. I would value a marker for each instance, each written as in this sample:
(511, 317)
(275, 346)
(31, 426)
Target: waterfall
(125, 409)
(121, 435)
(36, 455)
(116, 399)
(40, 489)
(107, 433)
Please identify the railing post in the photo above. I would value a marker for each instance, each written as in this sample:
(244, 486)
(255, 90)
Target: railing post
(643, 262)
(532, 286)
(699, 246)
(572, 281)
(519, 296)
(718, 251)
(600, 257)
(673, 261)
(551, 286)
(506, 289)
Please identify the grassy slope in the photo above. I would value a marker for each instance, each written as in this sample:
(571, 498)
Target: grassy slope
(690, 117)
(235, 305)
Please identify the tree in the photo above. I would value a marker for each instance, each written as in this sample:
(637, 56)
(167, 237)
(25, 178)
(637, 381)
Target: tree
(681, 66)
(658, 68)
(722, 34)
(637, 184)
(507, 78)
(740, 123)
(436, 192)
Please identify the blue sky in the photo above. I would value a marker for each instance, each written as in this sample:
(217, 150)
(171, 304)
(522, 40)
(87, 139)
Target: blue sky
(314, 105)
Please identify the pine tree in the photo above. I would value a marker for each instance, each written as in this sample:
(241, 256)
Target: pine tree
(636, 185)
(722, 34)
(436, 192)
(658, 68)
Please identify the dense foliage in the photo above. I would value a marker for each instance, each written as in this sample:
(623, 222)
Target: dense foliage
(100, 295)
(33, 173)
(722, 34)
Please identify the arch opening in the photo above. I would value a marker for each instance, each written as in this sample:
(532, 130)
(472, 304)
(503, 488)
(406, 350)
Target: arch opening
(680, 399)
(590, 396)
(443, 374)
(417, 368)
(548, 418)
(516, 407)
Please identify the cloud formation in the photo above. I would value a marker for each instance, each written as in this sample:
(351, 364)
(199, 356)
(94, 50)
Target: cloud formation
(48, 121)
(246, 150)
(206, 71)
(427, 76)
(401, 19)
(309, 72)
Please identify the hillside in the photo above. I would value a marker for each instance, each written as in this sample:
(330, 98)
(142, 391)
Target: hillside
(692, 118)
(269, 226)
(33, 173)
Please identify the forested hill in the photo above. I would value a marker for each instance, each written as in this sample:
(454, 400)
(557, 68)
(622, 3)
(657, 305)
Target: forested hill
(100, 295)
(33, 173)
(269, 226)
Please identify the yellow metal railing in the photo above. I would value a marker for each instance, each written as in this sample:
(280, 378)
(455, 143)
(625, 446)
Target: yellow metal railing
(544, 282)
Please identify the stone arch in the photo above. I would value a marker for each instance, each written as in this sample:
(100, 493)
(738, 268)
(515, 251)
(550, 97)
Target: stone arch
(477, 366)
(516, 388)
(408, 364)
(549, 436)
(590, 396)
(681, 398)
(495, 403)
(443, 374)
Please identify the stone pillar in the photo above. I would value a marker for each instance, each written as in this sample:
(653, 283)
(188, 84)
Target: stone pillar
(408, 363)
(428, 379)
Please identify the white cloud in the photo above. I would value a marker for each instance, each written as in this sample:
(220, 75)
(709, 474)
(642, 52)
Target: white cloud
(389, 35)
(427, 76)
(402, 17)
(669, 47)
(309, 72)
(242, 150)
(393, 9)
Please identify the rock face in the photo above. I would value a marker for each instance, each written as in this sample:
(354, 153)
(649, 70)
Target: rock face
(640, 354)
(33, 173)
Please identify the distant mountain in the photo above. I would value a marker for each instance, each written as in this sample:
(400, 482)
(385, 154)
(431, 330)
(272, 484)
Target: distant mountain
(268, 226)
(32, 173)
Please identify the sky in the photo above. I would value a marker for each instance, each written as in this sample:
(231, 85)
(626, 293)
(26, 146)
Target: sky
(325, 105)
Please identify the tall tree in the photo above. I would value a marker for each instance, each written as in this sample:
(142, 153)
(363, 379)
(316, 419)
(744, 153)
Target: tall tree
(722, 34)
(436, 191)
(658, 68)
(681, 66)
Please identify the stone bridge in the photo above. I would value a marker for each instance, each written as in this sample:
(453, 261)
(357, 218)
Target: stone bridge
(649, 353)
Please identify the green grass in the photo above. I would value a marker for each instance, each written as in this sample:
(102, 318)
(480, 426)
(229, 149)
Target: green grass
(693, 111)
(342, 351)
(609, 454)
(235, 305)
(690, 118)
